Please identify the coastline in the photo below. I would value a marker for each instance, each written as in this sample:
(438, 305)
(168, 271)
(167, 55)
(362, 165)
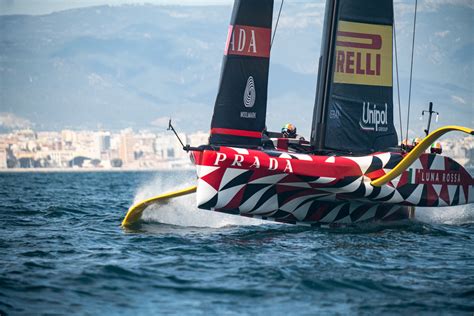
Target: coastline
(470, 168)
(85, 170)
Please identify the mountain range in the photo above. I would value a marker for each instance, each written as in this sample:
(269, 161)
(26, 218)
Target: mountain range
(135, 66)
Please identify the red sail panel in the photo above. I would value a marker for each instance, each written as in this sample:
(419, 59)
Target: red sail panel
(248, 41)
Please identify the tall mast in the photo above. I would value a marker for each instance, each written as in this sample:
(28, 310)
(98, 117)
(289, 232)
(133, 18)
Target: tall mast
(324, 75)
(241, 104)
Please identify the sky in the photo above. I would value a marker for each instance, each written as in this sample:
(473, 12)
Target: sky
(35, 7)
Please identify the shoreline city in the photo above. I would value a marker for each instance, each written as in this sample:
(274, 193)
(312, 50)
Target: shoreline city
(26, 150)
(85, 150)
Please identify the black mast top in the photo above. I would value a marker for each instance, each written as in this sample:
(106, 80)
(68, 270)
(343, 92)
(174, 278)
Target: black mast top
(241, 104)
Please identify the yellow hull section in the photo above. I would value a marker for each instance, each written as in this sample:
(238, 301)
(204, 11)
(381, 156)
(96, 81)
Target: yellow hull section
(135, 211)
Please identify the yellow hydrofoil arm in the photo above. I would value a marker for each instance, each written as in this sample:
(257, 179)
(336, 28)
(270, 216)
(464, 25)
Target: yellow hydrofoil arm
(417, 152)
(135, 211)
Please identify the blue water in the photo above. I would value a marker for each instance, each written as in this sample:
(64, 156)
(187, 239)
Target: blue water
(62, 252)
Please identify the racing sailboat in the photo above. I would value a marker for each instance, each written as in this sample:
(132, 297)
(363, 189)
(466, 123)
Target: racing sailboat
(352, 169)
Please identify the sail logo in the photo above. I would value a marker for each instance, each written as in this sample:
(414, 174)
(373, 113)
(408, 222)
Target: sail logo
(373, 118)
(249, 162)
(246, 40)
(363, 54)
(250, 93)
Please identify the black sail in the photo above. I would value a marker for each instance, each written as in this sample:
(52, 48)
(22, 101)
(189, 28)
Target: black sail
(241, 103)
(354, 100)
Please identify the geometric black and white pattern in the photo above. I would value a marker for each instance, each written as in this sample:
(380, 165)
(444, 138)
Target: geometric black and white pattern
(300, 188)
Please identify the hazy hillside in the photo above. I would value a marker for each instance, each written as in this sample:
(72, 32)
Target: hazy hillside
(134, 66)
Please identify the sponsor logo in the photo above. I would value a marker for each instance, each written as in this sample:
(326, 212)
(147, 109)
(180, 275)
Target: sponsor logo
(249, 93)
(248, 41)
(253, 162)
(374, 118)
(436, 177)
(334, 114)
(249, 115)
(363, 54)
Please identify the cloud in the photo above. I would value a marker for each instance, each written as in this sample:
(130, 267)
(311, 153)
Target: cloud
(403, 7)
(11, 121)
(434, 5)
(458, 99)
(161, 122)
(96, 80)
(178, 15)
(311, 14)
(442, 34)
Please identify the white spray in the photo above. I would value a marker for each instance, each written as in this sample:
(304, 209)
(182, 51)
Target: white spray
(182, 211)
(454, 215)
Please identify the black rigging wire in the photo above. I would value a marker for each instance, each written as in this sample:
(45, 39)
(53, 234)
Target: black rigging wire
(276, 25)
(398, 83)
(411, 68)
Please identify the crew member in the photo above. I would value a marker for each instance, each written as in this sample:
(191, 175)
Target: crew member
(289, 131)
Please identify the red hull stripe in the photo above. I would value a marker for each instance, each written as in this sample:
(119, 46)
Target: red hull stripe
(236, 132)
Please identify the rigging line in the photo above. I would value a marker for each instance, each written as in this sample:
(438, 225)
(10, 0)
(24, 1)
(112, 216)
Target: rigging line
(411, 67)
(398, 83)
(276, 25)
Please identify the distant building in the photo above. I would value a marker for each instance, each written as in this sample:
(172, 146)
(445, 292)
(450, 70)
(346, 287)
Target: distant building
(460, 149)
(167, 147)
(61, 158)
(197, 139)
(3, 159)
(103, 140)
(68, 137)
(127, 144)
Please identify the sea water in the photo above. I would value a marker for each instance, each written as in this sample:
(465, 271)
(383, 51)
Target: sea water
(62, 251)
